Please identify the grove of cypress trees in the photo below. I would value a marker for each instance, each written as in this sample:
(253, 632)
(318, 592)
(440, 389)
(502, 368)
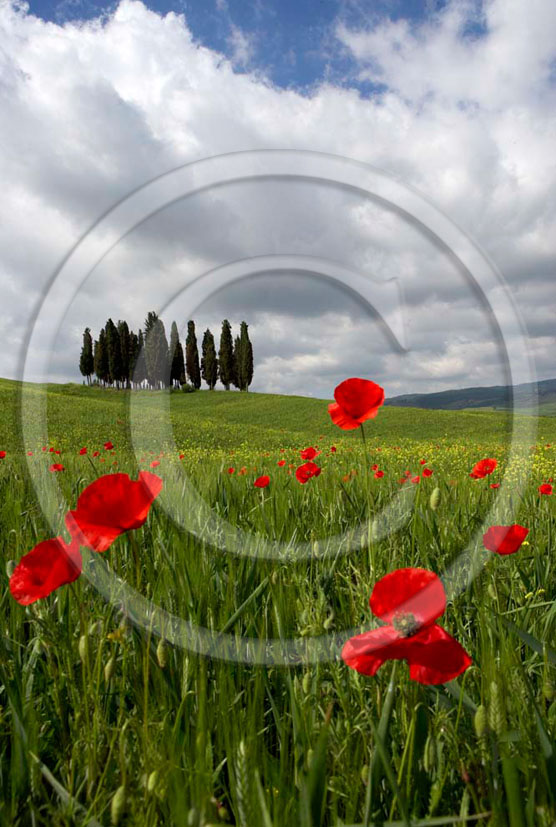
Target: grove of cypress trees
(226, 355)
(192, 356)
(86, 362)
(177, 364)
(209, 362)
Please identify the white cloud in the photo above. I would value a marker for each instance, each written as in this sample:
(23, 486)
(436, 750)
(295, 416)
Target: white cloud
(93, 110)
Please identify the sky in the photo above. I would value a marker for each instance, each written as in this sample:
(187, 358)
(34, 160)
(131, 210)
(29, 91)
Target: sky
(455, 101)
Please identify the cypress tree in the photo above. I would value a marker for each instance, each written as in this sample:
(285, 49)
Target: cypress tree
(139, 364)
(226, 355)
(177, 364)
(236, 362)
(150, 347)
(86, 362)
(244, 358)
(161, 361)
(114, 352)
(125, 351)
(192, 356)
(133, 354)
(209, 362)
(102, 369)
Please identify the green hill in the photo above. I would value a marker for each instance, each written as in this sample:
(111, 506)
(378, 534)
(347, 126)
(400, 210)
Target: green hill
(496, 397)
(218, 419)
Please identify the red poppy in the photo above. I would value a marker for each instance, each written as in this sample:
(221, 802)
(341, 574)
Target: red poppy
(2, 454)
(427, 472)
(482, 468)
(422, 462)
(57, 466)
(51, 450)
(281, 462)
(374, 467)
(356, 401)
(182, 456)
(231, 470)
(82, 451)
(333, 449)
(402, 480)
(304, 473)
(242, 471)
(96, 453)
(545, 488)
(43, 448)
(108, 445)
(261, 482)
(416, 479)
(29, 453)
(379, 474)
(495, 485)
(111, 505)
(409, 600)
(504, 539)
(155, 463)
(48, 566)
(309, 453)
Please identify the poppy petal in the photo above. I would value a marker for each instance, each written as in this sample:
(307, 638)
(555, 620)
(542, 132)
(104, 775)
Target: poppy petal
(504, 539)
(416, 591)
(367, 652)
(340, 417)
(111, 505)
(359, 398)
(434, 656)
(51, 564)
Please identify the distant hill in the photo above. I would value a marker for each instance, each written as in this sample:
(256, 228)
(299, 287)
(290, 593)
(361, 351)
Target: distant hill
(497, 397)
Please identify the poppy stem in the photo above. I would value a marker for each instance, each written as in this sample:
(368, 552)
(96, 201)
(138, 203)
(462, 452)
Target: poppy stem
(367, 479)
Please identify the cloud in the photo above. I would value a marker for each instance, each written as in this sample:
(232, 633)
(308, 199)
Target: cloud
(465, 113)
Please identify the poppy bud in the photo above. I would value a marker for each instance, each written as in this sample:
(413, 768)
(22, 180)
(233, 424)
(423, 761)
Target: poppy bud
(152, 782)
(429, 753)
(10, 566)
(162, 653)
(310, 756)
(434, 500)
(109, 669)
(329, 622)
(306, 682)
(491, 591)
(83, 647)
(117, 806)
(223, 814)
(364, 774)
(480, 721)
(547, 689)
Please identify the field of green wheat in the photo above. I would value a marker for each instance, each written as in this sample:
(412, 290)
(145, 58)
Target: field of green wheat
(225, 700)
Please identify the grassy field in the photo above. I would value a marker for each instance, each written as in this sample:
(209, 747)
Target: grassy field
(103, 721)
